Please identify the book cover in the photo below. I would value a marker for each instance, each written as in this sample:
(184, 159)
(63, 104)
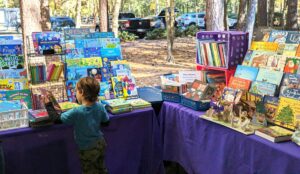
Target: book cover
(95, 73)
(79, 43)
(92, 52)
(264, 46)
(106, 74)
(260, 58)
(139, 103)
(276, 62)
(288, 113)
(291, 65)
(70, 87)
(117, 103)
(11, 62)
(129, 86)
(67, 105)
(118, 87)
(20, 95)
(278, 36)
(270, 76)
(102, 35)
(206, 58)
(92, 43)
(110, 47)
(70, 44)
(263, 88)
(293, 37)
(76, 33)
(290, 49)
(216, 54)
(20, 84)
(247, 58)
(11, 49)
(199, 91)
(222, 54)
(39, 115)
(271, 105)
(274, 134)
(75, 53)
(189, 76)
(47, 42)
(105, 89)
(13, 74)
(246, 72)
(290, 86)
(106, 62)
(81, 72)
(239, 83)
(229, 95)
(298, 51)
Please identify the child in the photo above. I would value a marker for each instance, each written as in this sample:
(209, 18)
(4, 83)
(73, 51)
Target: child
(86, 120)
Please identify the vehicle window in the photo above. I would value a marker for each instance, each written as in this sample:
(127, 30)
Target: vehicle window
(126, 15)
(201, 15)
(193, 16)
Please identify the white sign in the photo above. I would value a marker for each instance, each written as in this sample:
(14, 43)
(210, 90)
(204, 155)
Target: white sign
(189, 76)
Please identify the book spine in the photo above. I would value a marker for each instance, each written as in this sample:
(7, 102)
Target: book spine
(203, 54)
(221, 53)
(50, 71)
(61, 67)
(209, 56)
(216, 54)
(199, 54)
(212, 54)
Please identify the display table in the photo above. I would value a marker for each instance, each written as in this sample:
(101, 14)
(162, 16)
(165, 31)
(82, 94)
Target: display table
(132, 138)
(201, 146)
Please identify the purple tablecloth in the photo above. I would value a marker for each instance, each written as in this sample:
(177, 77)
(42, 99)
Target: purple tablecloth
(203, 147)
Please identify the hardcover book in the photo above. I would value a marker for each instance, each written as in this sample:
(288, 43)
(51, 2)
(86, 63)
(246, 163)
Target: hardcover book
(290, 49)
(229, 95)
(11, 62)
(278, 36)
(199, 91)
(276, 62)
(263, 88)
(293, 37)
(239, 83)
(11, 49)
(81, 72)
(271, 105)
(20, 95)
(288, 113)
(92, 43)
(260, 58)
(274, 133)
(264, 46)
(118, 87)
(105, 89)
(270, 76)
(292, 65)
(106, 74)
(290, 86)
(117, 103)
(246, 72)
(129, 87)
(95, 73)
(75, 33)
(47, 42)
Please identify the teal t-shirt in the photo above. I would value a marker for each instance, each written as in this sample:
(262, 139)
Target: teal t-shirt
(87, 123)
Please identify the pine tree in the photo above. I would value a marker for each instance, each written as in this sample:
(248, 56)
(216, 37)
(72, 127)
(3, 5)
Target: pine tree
(286, 115)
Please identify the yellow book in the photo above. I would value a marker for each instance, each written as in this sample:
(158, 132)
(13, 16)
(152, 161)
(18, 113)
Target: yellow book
(117, 85)
(288, 113)
(264, 46)
(216, 54)
(7, 84)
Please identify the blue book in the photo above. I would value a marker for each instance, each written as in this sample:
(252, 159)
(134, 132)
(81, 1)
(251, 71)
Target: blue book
(80, 73)
(92, 43)
(105, 89)
(106, 62)
(263, 88)
(13, 74)
(110, 47)
(102, 35)
(278, 36)
(111, 53)
(71, 86)
(293, 37)
(74, 53)
(246, 72)
(92, 52)
(75, 33)
(71, 73)
(270, 76)
(11, 49)
(79, 43)
(290, 86)
(47, 42)
(6, 37)
(106, 75)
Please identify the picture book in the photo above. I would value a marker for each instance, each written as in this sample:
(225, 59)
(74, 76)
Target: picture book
(239, 83)
(13, 74)
(139, 103)
(252, 103)
(67, 105)
(71, 86)
(264, 46)
(110, 47)
(39, 115)
(263, 88)
(278, 36)
(85, 62)
(247, 58)
(291, 65)
(92, 43)
(6, 106)
(293, 37)
(260, 58)
(246, 72)
(129, 87)
(7, 84)
(70, 44)
(21, 95)
(271, 105)
(274, 133)
(230, 95)
(81, 72)
(290, 86)
(117, 103)
(288, 113)
(118, 87)
(11, 49)
(105, 89)
(298, 51)
(106, 74)
(199, 91)
(11, 62)
(102, 35)
(290, 49)
(75, 33)
(20, 84)
(92, 52)
(79, 43)
(270, 76)
(47, 42)
(276, 62)
(120, 68)
(75, 53)
(189, 76)
(95, 73)
(106, 62)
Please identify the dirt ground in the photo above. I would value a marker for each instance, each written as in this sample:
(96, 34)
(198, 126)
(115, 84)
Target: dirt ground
(147, 59)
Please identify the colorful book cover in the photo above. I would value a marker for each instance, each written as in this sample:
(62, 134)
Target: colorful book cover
(92, 52)
(75, 33)
(291, 65)
(229, 95)
(290, 49)
(6, 38)
(263, 88)
(278, 36)
(110, 47)
(276, 62)
(239, 83)
(106, 74)
(70, 44)
(293, 37)
(118, 87)
(67, 105)
(106, 62)
(288, 113)
(117, 103)
(92, 43)
(271, 105)
(298, 51)
(81, 72)
(199, 91)
(102, 35)
(85, 62)
(71, 86)
(246, 72)
(47, 42)
(11, 62)
(264, 46)
(290, 86)
(270, 76)
(129, 87)
(79, 43)
(95, 73)
(75, 53)
(247, 59)
(71, 73)
(139, 103)
(274, 133)
(20, 84)
(11, 49)
(20, 95)
(260, 58)
(189, 76)
(13, 74)
(105, 89)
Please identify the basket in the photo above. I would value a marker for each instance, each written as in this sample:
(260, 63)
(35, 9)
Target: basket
(171, 97)
(237, 45)
(195, 105)
(14, 119)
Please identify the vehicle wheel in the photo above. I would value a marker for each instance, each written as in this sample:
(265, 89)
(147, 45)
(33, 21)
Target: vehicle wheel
(142, 35)
(19, 29)
(97, 29)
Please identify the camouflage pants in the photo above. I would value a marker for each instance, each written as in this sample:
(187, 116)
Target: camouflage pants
(92, 160)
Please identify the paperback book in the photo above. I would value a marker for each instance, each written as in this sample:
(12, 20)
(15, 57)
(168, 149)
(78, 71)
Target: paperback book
(271, 105)
(278, 36)
(11, 62)
(290, 86)
(265, 75)
(263, 88)
(288, 113)
(246, 72)
(292, 65)
(274, 133)
(129, 87)
(239, 83)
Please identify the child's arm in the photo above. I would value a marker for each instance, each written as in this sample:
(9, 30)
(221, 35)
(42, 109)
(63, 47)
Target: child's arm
(104, 117)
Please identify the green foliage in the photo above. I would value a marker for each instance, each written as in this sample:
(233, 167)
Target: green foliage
(127, 37)
(286, 115)
(156, 34)
(191, 31)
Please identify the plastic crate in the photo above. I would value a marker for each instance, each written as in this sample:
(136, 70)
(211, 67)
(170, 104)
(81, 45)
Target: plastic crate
(195, 105)
(237, 45)
(171, 97)
(14, 119)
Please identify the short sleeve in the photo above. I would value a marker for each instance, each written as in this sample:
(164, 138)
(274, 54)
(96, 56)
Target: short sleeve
(104, 115)
(68, 117)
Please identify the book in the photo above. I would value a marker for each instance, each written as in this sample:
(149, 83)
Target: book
(260, 58)
(278, 36)
(298, 51)
(247, 58)
(290, 86)
(263, 88)
(118, 86)
(270, 76)
(288, 113)
(20, 95)
(106, 74)
(39, 115)
(229, 95)
(199, 91)
(92, 52)
(11, 49)
(271, 105)
(290, 49)
(274, 133)
(81, 72)
(276, 62)
(264, 46)
(139, 103)
(11, 62)
(70, 44)
(189, 76)
(70, 87)
(246, 72)
(293, 37)
(252, 103)
(117, 103)
(110, 47)
(129, 87)
(76, 33)
(120, 68)
(105, 89)
(67, 105)
(239, 83)
(84, 62)
(6, 106)
(48, 42)
(102, 35)
(13, 74)
(75, 53)
(95, 73)
(291, 65)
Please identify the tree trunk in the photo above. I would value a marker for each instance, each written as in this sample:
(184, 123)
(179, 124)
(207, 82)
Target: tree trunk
(156, 7)
(215, 15)
(78, 14)
(242, 15)
(45, 15)
(262, 19)
(115, 18)
(170, 20)
(103, 16)
(251, 19)
(291, 17)
(226, 26)
(271, 13)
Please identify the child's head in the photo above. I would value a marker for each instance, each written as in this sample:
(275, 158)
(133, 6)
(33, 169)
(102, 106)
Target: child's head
(87, 89)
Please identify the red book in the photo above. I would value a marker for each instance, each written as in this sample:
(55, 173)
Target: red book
(205, 52)
(39, 115)
(239, 83)
(221, 52)
(51, 68)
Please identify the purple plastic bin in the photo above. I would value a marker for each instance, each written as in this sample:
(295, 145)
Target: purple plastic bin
(237, 45)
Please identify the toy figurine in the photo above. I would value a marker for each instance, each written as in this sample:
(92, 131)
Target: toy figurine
(210, 112)
(296, 136)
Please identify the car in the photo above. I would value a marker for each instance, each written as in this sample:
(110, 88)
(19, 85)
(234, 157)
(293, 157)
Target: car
(60, 23)
(190, 19)
(162, 17)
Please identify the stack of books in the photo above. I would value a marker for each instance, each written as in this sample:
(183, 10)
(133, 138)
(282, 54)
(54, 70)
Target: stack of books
(212, 53)
(139, 103)
(274, 133)
(117, 106)
(38, 115)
